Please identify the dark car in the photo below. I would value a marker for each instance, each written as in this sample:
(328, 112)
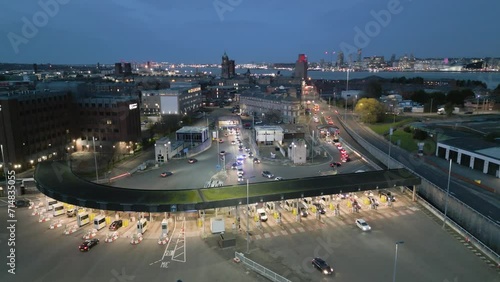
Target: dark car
(88, 244)
(320, 208)
(22, 203)
(303, 212)
(192, 160)
(335, 164)
(166, 174)
(256, 161)
(115, 225)
(387, 194)
(322, 266)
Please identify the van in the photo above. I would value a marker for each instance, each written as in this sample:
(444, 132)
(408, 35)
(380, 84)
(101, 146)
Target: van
(71, 212)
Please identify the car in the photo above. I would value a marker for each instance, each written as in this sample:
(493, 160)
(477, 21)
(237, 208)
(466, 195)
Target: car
(22, 203)
(166, 173)
(192, 160)
(335, 164)
(240, 179)
(468, 113)
(256, 161)
(328, 117)
(247, 149)
(322, 266)
(387, 194)
(250, 154)
(303, 212)
(278, 178)
(262, 214)
(115, 225)
(267, 174)
(361, 223)
(258, 122)
(88, 244)
(222, 153)
(343, 151)
(234, 166)
(330, 122)
(319, 208)
(241, 172)
(233, 142)
(221, 141)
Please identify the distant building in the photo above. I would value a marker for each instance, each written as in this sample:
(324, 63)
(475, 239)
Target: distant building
(118, 69)
(297, 151)
(127, 68)
(340, 59)
(301, 67)
(227, 67)
(171, 101)
(268, 134)
(258, 103)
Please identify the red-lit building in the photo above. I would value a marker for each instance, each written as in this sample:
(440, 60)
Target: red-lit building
(301, 67)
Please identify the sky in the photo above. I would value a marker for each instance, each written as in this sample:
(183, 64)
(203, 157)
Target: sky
(273, 31)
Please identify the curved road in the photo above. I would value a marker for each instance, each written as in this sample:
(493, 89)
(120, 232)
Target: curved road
(484, 202)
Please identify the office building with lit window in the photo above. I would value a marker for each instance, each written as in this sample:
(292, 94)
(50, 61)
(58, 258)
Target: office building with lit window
(172, 101)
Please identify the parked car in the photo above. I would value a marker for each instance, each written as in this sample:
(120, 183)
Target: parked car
(322, 266)
(387, 194)
(320, 208)
(115, 225)
(192, 160)
(88, 244)
(335, 164)
(22, 203)
(303, 212)
(262, 214)
(166, 173)
(278, 178)
(361, 223)
(267, 174)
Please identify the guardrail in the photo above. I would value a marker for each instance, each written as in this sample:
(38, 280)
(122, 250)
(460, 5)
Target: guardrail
(271, 275)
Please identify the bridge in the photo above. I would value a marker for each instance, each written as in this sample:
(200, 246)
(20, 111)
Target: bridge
(56, 180)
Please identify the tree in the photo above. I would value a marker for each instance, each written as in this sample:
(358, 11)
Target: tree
(273, 116)
(496, 91)
(420, 96)
(457, 97)
(448, 108)
(370, 110)
(372, 90)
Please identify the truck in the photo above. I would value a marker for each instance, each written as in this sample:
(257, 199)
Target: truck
(217, 225)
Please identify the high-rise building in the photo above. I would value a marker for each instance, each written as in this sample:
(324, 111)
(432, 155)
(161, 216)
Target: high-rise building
(227, 67)
(340, 59)
(127, 68)
(118, 69)
(301, 67)
(359, 55)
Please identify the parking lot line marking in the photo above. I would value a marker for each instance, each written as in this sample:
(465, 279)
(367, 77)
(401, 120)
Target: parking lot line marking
(293, 231)
(276, 233)
(258, 237)
(301, 229)
(284, 232)
(266, 235)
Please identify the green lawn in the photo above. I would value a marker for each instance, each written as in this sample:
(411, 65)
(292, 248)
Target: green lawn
(383, 128)
(406, 139)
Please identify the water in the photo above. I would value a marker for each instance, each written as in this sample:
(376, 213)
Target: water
(492, 79)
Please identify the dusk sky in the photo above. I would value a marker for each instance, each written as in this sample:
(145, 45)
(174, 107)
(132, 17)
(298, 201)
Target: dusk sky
(199, 31)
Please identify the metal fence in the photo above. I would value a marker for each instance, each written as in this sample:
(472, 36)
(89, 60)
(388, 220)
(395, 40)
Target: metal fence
(271, 275)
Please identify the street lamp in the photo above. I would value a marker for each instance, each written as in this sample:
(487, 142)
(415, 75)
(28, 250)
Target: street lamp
(95, 160)
(447, 195)
(248, 214)
(390, 145)
(396, 260)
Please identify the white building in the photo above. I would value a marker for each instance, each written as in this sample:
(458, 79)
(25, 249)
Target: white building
(171, 101)
(268, 134)
(350, 94)
(297, 151)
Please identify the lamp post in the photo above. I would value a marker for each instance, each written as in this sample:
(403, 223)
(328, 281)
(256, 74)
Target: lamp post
(396, 260)
(447, 196)
(248, 215)
(390, 145)
(95, 160)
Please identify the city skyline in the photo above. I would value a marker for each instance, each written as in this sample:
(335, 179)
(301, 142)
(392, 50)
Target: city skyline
(72, 32)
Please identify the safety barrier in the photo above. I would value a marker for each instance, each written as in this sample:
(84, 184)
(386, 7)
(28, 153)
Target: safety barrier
(136, 239)
(111, 237)
(163, 240)
(70, 230)
(271, 275)
(55, 225)
(44, 218)
(90, 234)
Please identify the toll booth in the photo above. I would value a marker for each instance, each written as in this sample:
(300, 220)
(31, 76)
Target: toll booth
(164, 227)
(82, 219)
(142, 225)
(99, 222)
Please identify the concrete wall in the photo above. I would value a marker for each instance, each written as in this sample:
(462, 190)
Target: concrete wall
(482, 228)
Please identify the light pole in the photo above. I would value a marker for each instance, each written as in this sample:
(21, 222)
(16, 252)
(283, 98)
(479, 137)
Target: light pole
(218, 148)
(396, 260)
(447, 196)
(390, 145)
(95, 160)
(248, 215)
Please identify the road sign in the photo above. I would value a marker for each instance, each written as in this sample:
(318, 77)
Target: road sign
(173, 208)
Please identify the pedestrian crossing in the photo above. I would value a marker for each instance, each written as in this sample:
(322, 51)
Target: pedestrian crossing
(291, 228)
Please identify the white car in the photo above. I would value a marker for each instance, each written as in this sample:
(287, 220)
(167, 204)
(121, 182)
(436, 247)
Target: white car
(278, 178)
(361, 223)
(262, 214)
(240, 172)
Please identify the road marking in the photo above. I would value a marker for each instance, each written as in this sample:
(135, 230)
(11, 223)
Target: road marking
(266, 235)
(284, 232)
(301, 229)
(257, 237)
(293, 231)
(276, 233)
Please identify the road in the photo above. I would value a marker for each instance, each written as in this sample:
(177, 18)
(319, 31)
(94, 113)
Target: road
(484, 202)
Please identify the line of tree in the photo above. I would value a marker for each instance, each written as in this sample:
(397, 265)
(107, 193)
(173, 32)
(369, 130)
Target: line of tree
(404, 80)
(370, 110)
(471, 83)
(454, 97)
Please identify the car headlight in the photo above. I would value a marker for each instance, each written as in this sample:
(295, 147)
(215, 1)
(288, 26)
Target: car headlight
(325, 271)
